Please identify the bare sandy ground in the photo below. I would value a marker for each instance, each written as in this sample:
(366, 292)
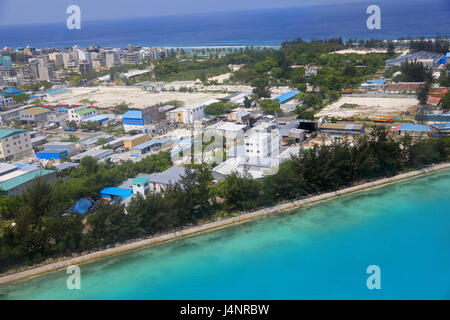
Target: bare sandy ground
(138, 98)
(368, 107)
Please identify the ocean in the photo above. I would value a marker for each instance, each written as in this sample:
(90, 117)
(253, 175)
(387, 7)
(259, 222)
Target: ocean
(269, 27)
(320, 252)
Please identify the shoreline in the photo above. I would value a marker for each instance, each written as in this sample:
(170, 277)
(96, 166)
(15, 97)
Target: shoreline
(244, 217)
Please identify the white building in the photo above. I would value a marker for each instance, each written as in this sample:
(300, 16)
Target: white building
(78, 114)
(189, 114)
(6, 102)
(263, 141)
(14, 144)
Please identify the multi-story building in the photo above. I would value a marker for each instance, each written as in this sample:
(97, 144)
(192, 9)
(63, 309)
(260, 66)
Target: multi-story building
(85, 66)
(138, 120)
(263, 141)
(14, 144)
(5, 62)
(36, 115)
(78, 114)
(131, 58)
(189, 114)
(57, 59)
(6, 102)
(45, 70)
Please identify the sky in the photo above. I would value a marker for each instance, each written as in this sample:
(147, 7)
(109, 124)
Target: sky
(13, 12)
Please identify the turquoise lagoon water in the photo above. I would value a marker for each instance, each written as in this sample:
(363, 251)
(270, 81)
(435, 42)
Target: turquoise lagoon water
(321, 252)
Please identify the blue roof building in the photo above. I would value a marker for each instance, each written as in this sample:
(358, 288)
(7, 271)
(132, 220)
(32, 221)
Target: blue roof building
(52, 154)
(111, 192)
(133, 117)
(286, 97)
(12, 92)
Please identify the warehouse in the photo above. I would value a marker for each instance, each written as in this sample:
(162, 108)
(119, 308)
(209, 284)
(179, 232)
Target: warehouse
(152, 145)
(34, 115)
(412, 129)
(94, 153)
(430, 59)
(69, 147)
(130, 142)
(112, 193)
(17, 184)
(443, 128)
(342, 128)
(286, 97)
(51, 154)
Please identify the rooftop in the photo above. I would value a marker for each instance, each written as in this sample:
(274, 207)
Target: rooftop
(4, 133)
(132, 114)
(17, 181)
(35, 111)
(140, 180)
(84, 111)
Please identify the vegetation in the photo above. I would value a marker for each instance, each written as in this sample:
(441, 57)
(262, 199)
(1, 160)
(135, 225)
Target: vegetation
(219, 108)
(270, 106)
(413, 72)
(41, 231)
(445, 102)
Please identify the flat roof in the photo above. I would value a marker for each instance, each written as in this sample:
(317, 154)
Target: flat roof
(6, 167)
(151, 143)
(98, 117)
(342, 126)
(85, 110)
(35, 111)
(140, 180)
(132, 114)
(227, 126)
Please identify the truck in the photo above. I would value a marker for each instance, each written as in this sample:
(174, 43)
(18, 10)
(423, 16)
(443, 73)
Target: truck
(383, 119)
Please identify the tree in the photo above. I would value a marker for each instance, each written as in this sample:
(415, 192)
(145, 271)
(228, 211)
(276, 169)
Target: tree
(445, 102)
(270, 106)
(261, 88)
(422, 93)
(247, 102)
(390, 49)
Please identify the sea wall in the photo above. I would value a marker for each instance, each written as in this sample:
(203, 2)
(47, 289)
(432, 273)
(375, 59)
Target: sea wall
(289, 206)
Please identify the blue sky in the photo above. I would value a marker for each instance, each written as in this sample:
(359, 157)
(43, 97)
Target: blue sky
(42, 11)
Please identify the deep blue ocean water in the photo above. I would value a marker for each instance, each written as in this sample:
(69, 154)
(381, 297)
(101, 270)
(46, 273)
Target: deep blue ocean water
(321, 252)
(260, 27)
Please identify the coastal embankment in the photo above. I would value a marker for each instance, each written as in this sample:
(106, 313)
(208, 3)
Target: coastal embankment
(284, 207)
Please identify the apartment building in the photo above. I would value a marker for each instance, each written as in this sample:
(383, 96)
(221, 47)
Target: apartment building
(14, 144)
(78, 114)
(263, 141)
(6, 102)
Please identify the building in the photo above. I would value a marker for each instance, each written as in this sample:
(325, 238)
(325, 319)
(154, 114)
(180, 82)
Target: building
(232, 132)
(412, 129)
(14, 144)
(153, 145)
(343, 128)
(5, 62)
(85, 66)
(137, 120)
(78, 114)
(131, 142)
(70, 148)
(429, 59)
(17, 181)
(373, 84)
(6, 102)
(402, 87)
(263, 141)
(240, 117)
(36, 115)
(96, 153)
(189, 114)
(442, 128)
(286, 96)
(51, 155)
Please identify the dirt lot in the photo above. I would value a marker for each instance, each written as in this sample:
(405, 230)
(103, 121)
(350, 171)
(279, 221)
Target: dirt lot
(138, 98)
(369, 107)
